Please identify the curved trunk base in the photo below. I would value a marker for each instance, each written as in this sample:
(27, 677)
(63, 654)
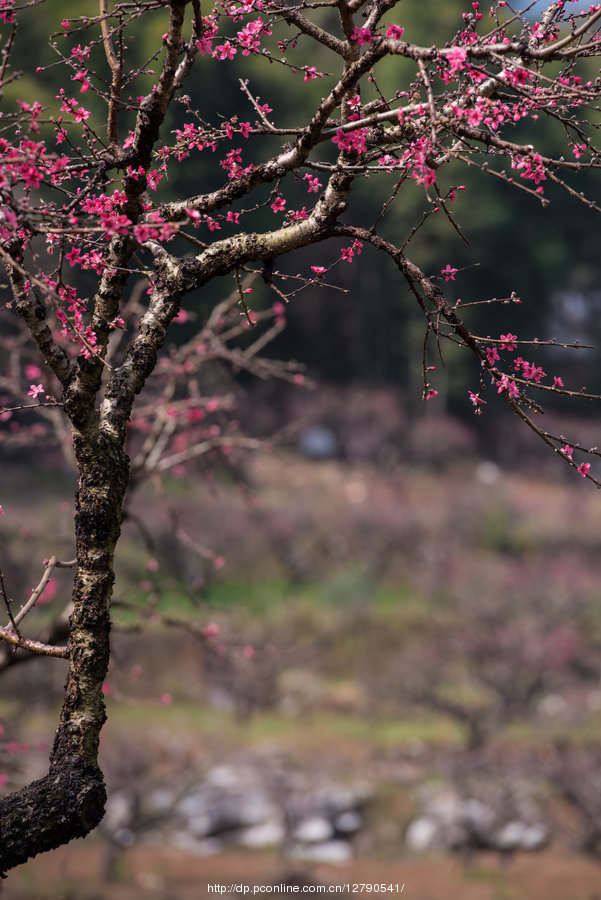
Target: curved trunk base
(66, 803)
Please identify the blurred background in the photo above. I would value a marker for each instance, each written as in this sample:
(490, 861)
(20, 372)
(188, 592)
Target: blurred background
(368, 649)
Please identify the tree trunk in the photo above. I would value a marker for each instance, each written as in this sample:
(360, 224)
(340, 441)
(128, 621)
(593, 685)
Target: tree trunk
(69, 801)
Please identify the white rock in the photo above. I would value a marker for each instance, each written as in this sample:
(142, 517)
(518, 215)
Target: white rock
(313, 830)
(268, 834)
(422, 834)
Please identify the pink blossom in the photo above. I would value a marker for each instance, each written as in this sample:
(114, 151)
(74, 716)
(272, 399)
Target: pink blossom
(449, 272)
(311, 72)
(387, 162)
(492, 355)
(34, 112)
(395, 32)
(352, 140)
(567, 450)
(144, 233)
(516, 77)
(297, 214)
(249, 36)
(362, 36)
(319, 270)
(313, 182)
(278, 204)
(531, 371)
(80, 53)
(153, 179)
(508, 341)
(456, 58)
(347, 254)
(477, 399)
(73, 256)
(82, 76)
(509, 386)
(81, 114)
(34, 390)
(31, 175)
(225, 51)
(533, 167)
(473, 117)
(583, 469)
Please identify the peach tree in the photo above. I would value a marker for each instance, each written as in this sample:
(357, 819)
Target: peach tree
(124, 199)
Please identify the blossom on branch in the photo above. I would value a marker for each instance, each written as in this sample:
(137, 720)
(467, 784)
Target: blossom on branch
(35, 390)
(113, 224)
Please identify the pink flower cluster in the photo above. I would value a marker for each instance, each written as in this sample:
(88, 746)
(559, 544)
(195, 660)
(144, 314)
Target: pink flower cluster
(313, 182)
(311, 73)
(509, 386)
(528, 370)
(351, 140)
(79, 113)
(29, 163)
(349, 252)
(416, 159)
(247, 39)
(583, 468)
(395, 32)
(456, 58)
(7, 11)
(362, 36)
(508, 342)
(532, 167)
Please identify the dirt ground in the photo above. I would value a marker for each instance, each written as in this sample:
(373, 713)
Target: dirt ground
(77, 873)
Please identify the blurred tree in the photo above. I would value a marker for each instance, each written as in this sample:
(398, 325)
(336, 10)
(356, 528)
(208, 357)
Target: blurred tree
(491, 660)
(102, 245)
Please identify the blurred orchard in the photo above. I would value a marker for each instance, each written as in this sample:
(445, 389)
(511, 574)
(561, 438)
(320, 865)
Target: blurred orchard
(298, 429)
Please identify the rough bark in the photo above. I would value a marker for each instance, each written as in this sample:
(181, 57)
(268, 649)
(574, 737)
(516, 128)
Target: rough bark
(69, 801)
